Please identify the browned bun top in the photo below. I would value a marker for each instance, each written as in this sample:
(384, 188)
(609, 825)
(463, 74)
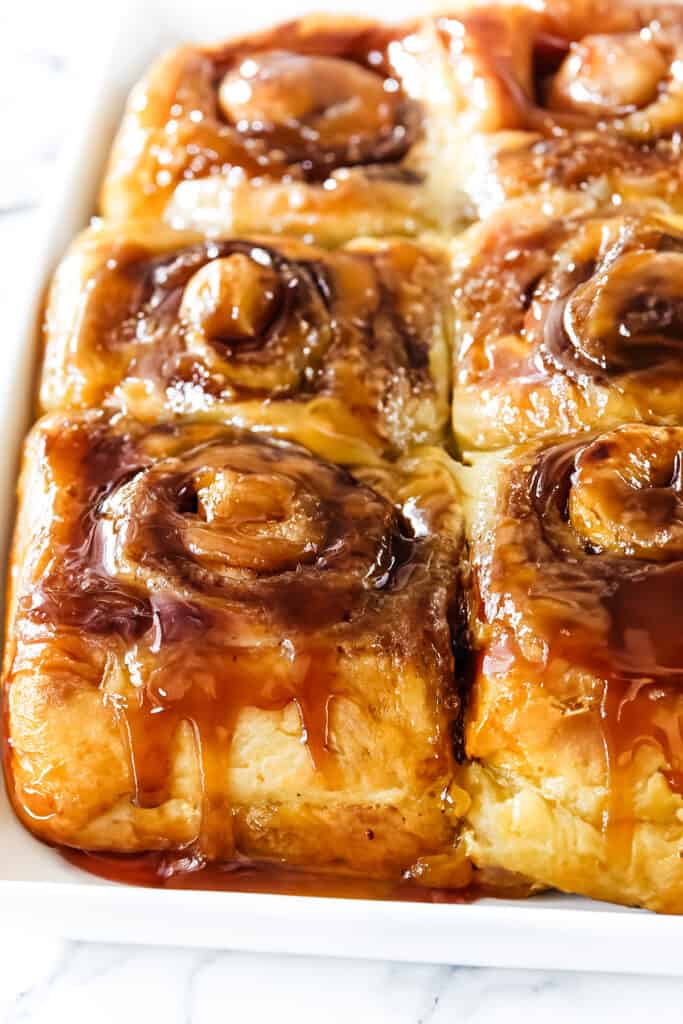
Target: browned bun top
(199, 527)
(595, 298)
(593, 65)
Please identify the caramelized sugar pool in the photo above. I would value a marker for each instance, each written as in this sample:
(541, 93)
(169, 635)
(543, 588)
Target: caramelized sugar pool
(191, 553)
(599, 520)
(155, 870)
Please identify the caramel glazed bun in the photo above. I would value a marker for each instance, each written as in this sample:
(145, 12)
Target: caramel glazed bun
(573, 723)
(565, 320)
(578, 94)
(347, 352)
(328, 127)
(222, 643)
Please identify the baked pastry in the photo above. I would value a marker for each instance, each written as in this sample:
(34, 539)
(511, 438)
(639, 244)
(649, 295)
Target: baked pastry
(347, 352)
(258, 613)
(329, 127)
(586, 95)
(220, 643)
(573, 718)
(566, 319)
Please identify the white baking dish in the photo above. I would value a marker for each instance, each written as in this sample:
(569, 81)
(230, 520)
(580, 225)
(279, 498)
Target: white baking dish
(37, 887)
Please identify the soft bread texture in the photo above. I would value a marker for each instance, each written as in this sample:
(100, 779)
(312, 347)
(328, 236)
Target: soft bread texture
(370, 798)
(347, 352)
(582, 96)
(561, 789)
(518, 824)
(194, 152)
(566, 319)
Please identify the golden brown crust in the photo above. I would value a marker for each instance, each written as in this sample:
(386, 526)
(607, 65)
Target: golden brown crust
(222, 647)
(222, 630)
(577, 555)
(566, 319)
(321, 126)
(347, 352)
(580, 96)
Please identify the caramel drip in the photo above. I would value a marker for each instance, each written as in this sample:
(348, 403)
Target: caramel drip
(295, 103)
(615, 73)
(596, 299)
(228, 573)
(589, 552)
(188, 871)
(209, 691)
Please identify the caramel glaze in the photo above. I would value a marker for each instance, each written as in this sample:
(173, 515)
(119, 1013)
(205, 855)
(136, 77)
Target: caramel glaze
(598, 300)
(136, 312)
(232, 320)
(569, 80)
(588, 560)
(196, 552)
(187, 871)
(595, 85)
(293, 103)
(574, 160)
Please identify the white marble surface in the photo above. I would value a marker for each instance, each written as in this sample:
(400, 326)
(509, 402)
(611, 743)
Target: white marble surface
(47, 981)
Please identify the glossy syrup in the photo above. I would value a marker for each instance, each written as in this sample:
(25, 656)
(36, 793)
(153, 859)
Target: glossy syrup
(596, 601)
(291, 104)
(180, 871)
(217, 572)
(247, 328)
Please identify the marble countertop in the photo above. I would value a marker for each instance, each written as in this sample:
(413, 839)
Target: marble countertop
(45, 980)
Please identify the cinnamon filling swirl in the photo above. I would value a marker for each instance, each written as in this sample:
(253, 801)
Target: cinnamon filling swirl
(596, 299)
(618, 72)
(612, 303)
(631, 81)
(233, 572)
(316, 113)
(230, 526)
(295, 105)
(589, 552)
(254, 319)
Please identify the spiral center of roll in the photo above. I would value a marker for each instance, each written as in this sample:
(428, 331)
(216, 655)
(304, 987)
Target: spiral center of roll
(231, 302)
(252, 520)
(254, 523)
(630, 315)
(330, 97)
(609, 75)
(626, 493)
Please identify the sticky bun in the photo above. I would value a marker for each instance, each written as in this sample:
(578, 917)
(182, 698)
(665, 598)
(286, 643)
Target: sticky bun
(345, 544)
(222, 642)
(566, 319)
(573, 719)
(328, 127)
(585, 95)
(346, 351)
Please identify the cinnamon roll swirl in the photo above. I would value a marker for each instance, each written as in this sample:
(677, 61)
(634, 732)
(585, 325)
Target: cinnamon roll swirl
(583, 96)
(326, 127)
(249, 620)
(566, 320)
(222, 644)
(573, 724)
(346, 352)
